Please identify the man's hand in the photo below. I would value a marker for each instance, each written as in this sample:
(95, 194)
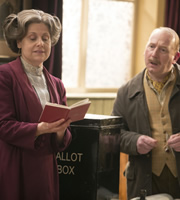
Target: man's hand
(174, 142)
(145, 144)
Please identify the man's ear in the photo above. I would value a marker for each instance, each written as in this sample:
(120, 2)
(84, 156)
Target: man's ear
(176, 57)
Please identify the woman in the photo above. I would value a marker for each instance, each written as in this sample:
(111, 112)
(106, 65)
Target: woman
(28, 168)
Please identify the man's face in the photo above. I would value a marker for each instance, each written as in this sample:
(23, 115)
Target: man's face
(160, 54)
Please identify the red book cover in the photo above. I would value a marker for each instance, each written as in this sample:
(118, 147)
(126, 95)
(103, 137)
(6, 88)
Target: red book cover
(53, 112)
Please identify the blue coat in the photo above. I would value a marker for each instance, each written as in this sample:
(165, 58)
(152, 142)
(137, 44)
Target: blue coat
(28, 169)
(131, 104)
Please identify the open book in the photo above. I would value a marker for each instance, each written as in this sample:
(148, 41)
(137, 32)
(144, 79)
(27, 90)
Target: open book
(53, 112)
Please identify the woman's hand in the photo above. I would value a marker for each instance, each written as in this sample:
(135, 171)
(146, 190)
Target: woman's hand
(58, 127)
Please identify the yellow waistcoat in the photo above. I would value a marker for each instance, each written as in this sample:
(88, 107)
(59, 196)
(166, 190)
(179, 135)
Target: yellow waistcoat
(161, 129)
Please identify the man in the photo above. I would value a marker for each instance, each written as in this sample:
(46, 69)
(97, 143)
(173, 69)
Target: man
(150, 107)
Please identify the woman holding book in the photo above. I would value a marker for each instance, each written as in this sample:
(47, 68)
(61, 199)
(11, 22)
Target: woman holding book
(28, 168)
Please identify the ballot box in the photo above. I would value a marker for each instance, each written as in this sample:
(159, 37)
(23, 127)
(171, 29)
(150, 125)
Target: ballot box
(89, 167)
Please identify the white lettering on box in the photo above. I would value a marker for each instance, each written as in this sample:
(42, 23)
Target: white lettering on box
(66, 169)
(68, 157)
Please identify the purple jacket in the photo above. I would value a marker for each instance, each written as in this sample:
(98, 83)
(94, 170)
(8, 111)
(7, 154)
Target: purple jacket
(28, 168)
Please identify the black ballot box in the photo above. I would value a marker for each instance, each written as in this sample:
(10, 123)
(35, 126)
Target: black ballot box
(89, 167)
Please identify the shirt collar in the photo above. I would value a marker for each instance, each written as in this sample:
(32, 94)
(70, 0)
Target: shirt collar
(159, 85)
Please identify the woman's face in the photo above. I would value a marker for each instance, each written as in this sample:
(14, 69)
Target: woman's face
(36, 45)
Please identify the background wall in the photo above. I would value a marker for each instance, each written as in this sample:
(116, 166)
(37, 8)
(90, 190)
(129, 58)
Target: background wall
(6, 8)
(149, 15)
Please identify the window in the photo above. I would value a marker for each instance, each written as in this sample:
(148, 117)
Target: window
(97, 44)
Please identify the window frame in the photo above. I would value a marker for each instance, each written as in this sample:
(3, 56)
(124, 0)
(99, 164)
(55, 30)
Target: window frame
(83, 49)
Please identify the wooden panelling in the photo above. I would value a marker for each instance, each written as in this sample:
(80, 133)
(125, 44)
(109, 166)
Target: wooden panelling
(101, 106)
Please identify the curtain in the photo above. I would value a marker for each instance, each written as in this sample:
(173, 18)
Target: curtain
(53, 7)
(172, 18)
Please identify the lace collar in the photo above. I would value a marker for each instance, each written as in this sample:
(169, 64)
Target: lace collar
(30, 69)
